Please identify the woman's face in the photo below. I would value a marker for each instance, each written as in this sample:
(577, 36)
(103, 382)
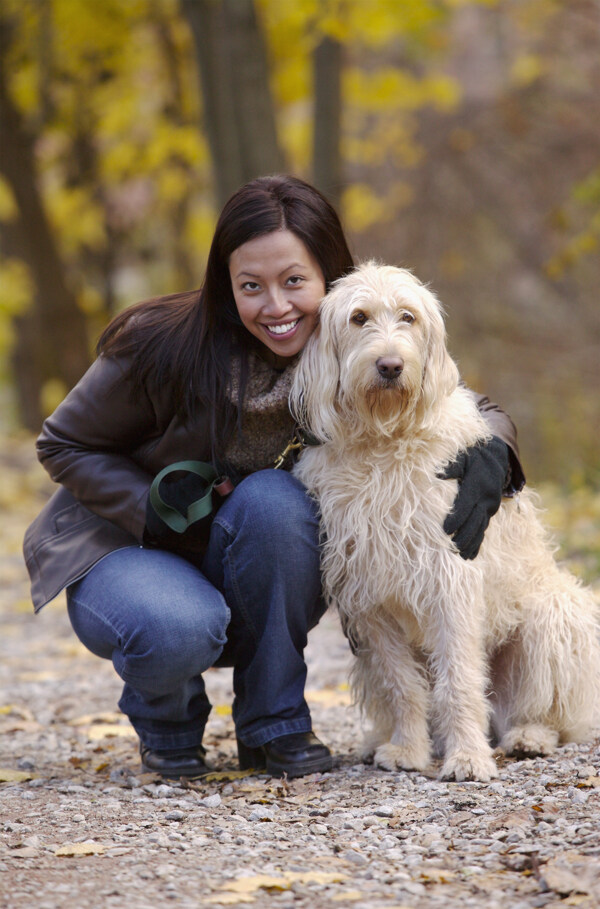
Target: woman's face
(277, 287)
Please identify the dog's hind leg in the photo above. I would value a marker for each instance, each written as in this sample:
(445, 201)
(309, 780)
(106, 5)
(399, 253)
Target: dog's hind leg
(392, 689)
(546, 679)
(515, 697)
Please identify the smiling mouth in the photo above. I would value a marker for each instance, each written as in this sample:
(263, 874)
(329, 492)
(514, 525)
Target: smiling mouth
(283, 329)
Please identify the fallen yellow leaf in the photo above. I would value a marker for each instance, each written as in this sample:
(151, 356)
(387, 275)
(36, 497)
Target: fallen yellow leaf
(258, 882)
(43, 676)
(329, 697)
(227, 775)
(109, 730)
(7, 724)
(14, 776)
(591, 782)
(269, 882)
(438, 875)
(223, 709)
(23, 712)
(315, 877)
(73, 849)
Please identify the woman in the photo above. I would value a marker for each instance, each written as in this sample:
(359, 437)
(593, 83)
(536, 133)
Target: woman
(205, 375)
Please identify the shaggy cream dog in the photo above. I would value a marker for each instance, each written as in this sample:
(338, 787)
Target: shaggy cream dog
(446, 646)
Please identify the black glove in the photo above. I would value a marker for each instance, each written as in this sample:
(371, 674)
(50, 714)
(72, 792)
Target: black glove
(179, 491)
(481, 472)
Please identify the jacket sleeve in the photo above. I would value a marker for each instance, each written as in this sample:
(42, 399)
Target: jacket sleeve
(86, 445)
(502, 426)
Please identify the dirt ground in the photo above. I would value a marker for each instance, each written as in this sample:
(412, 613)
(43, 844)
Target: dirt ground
(81, 825)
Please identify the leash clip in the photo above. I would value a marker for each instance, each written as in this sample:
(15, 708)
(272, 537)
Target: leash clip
(293, 445)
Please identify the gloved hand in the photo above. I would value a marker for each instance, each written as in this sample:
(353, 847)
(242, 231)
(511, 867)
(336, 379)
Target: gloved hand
(179, 491)
(481, 472)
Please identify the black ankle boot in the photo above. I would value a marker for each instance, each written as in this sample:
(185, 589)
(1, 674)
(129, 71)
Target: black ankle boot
(174, 763)
(296, 754)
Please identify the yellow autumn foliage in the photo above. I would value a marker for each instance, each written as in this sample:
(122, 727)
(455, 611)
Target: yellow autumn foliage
(76, 217)
(16, 294)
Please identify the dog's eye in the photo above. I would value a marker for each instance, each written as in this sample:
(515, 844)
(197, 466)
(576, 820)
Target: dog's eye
(408, 317)
(359, 318)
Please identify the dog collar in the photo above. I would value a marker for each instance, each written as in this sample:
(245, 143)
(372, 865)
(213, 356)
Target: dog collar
(302, 438)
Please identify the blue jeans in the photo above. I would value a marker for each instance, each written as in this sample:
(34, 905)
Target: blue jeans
(163, 621)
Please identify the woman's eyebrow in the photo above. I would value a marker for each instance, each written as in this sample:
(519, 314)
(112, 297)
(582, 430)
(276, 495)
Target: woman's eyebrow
(251, 274)
(292, 265)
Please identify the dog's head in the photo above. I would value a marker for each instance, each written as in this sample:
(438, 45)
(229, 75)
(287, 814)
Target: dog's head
(377, 361)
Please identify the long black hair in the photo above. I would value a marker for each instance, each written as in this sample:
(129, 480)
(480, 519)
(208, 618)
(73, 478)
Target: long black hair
(187, 340)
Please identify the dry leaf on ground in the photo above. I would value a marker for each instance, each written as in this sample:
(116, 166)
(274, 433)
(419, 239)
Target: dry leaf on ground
(219, 775)
(7, 775)
(74, 849)
(329, 697)
(109, 730)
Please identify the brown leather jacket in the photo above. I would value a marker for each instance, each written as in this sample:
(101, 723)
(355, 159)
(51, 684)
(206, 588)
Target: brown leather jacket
(104, 448)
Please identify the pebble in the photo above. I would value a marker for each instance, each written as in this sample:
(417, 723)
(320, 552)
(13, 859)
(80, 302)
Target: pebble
(384, 811)
(164, 792)
(356, 858)
(262, 814)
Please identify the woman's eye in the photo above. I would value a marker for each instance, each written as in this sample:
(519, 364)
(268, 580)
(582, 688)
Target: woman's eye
(408, 317)
(295, 280)
(359, 318)
(250, 286)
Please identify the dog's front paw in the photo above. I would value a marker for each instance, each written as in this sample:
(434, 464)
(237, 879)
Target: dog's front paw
(370, 744)
(529, 741)
(462, 766)
(400, 757)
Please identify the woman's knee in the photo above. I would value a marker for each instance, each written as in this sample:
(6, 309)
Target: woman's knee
(165, 648)
(158, 632)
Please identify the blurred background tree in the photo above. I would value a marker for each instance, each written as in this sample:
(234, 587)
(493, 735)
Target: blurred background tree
(460, 138)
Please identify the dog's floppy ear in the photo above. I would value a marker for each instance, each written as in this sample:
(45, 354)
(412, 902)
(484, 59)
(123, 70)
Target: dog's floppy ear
(316, 380)
(440, 374)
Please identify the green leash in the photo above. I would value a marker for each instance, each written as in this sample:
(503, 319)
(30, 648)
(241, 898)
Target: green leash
(196, 510)
(222, 485)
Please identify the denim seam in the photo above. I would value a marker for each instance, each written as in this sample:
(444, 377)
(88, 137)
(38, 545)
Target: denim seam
(96, 615)
(238, 596)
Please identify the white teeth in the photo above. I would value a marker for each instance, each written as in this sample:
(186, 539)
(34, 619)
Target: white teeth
(282, 329)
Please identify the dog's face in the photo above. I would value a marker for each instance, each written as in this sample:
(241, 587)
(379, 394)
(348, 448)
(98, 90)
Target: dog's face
(378, 359)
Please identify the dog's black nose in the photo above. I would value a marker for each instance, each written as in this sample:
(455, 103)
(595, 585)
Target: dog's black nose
(389, 367)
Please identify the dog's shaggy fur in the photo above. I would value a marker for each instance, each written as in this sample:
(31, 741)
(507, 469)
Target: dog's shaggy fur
(446, 646)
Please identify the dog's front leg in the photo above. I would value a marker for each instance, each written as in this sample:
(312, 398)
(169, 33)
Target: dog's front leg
(458, 666)
(393, 691)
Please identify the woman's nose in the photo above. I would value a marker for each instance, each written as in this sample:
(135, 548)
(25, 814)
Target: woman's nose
(277, 303)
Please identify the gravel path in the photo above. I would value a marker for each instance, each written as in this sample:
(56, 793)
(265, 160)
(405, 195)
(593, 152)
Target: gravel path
(81, 825)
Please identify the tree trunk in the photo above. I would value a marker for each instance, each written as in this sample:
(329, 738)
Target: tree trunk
(327, 161)
(63, 349)
(234, 81)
